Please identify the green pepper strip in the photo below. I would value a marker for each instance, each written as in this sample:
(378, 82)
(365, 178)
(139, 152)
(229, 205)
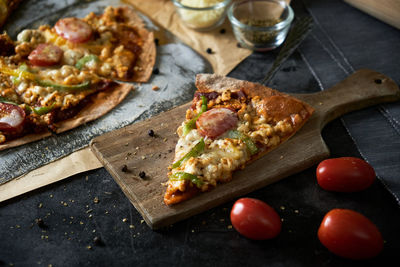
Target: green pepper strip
(43, 110)
(5, 100)
(30, 76)
(64, 88)
(82, 62)
(178, 176)
(194, 152)
(192, 123)
(251, 146)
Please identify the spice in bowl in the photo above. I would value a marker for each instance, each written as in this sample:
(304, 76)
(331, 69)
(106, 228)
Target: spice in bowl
(260, 25)
(202, 15)
(260, 37)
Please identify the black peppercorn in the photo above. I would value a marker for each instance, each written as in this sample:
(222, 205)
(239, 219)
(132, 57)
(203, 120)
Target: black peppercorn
(150, 133)
(97, 241)
(209, 51)
(156, 71)
(142, 174)
(239, 45)
(222, 31)
(156, 41)
(40, 223)
(124, 168)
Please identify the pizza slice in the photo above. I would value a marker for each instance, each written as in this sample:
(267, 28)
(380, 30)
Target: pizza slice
(115, 45)
(230, 124)
(33, 101)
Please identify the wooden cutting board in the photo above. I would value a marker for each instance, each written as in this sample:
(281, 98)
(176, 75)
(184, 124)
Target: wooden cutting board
(133, 147)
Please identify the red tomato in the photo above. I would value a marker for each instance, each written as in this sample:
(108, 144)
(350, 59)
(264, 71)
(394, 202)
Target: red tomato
(255, 219)
(216, 121)
(45, 55)
(74, 30)
(350, 234)
(345, 174)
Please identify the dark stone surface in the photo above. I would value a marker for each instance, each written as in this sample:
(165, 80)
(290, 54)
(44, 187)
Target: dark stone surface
(206, 239)
(179, 64)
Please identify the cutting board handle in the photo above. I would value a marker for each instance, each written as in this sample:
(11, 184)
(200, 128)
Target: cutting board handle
(362, 89)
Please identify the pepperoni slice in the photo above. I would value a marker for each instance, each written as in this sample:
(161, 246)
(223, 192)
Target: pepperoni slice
(216, 121)
(45, 55)
(12, 118)
(74, 30)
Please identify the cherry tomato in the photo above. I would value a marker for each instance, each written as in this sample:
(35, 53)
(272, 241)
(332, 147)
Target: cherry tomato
(345, 174)
(350, 234)
(216, 121)
(255, 219)
(45, 55)
(74, 30)
(12, 118)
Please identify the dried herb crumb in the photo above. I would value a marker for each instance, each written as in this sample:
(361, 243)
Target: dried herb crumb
(96, 200)
(40, 205)
(209, 51)
(142, 174)
(131, 226)
(124, 219)
(151, 133)
(124, 168)
(89, 247)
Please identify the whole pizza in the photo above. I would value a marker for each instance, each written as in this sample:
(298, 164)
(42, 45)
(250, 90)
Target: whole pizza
(53, 79)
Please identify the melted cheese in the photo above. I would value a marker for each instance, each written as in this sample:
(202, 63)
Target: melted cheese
(215, 164)
(224, 155)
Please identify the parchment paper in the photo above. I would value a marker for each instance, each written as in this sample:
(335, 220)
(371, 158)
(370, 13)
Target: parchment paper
(226, 55)
(223, 45)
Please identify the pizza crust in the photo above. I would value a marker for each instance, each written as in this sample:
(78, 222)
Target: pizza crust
(100, 104)
(25, 140)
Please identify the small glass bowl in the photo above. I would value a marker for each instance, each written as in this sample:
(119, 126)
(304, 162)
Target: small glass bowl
(202, 18)
(260, 25)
